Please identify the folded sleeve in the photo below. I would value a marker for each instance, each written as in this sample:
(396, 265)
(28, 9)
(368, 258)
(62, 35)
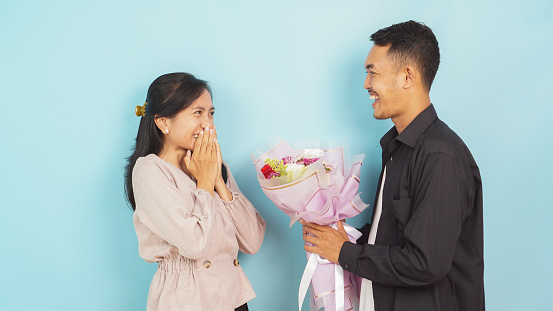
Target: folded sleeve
(183, 219)
(364, 238)
(430, 235)
(250, 226)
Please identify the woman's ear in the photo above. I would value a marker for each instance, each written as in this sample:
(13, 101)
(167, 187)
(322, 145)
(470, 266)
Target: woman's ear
(162, 123)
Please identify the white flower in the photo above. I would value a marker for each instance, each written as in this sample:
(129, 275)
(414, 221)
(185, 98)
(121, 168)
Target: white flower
(293, 167)
(328, 167)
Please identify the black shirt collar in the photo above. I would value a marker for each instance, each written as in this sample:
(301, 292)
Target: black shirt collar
(411, 134)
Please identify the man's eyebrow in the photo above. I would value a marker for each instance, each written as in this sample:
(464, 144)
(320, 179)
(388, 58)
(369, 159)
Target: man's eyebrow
(369, 66)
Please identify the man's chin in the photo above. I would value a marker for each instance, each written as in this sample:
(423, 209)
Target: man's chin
(380, 116)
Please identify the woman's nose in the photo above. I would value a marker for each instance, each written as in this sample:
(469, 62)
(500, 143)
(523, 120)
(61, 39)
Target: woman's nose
(205, 124)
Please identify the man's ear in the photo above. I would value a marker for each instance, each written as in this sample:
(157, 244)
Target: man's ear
(410, 75)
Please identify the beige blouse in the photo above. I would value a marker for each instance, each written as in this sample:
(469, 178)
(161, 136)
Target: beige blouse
(194, 237)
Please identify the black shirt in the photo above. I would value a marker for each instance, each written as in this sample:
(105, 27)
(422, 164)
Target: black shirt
(428, 253)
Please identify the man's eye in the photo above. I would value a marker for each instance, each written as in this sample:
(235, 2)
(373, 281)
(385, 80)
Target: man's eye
(212, 113)
(372, 73)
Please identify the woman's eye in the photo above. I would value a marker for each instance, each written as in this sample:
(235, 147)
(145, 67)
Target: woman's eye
(198, 112)
(212, 113)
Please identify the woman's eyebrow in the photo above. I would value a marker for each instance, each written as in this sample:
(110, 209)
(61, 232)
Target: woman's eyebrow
(202, 108)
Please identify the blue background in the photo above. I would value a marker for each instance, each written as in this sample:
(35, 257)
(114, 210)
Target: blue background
(71, 73)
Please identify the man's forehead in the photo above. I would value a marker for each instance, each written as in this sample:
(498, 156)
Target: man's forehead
(376, 55)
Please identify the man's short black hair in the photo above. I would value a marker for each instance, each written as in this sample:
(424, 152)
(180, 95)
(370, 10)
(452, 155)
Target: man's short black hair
(412, 43)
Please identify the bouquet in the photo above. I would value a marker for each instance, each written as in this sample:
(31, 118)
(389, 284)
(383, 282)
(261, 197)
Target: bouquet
(311, 183)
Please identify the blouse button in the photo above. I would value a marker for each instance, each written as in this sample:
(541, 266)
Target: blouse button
(236, 262)
(207, 264)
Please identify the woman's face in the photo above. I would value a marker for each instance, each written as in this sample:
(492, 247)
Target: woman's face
(187, 124)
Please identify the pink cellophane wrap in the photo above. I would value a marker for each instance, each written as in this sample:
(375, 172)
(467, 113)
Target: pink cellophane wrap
(322, 198)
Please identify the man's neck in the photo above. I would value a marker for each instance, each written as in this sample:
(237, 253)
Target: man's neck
(414, 108)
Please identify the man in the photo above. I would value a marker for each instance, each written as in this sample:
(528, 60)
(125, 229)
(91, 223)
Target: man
(424, 249)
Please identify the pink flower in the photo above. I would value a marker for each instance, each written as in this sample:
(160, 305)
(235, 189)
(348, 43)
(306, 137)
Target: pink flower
(308, 161)
(287, 160)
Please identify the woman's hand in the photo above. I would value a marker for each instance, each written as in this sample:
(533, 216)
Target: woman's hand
(220, 185)
(203, 162)
(219, 159)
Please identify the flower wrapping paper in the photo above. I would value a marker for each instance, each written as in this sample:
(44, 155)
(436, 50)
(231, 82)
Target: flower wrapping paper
(321, 196)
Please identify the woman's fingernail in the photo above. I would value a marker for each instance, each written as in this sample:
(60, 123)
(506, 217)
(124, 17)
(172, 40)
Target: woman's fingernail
(202, 132)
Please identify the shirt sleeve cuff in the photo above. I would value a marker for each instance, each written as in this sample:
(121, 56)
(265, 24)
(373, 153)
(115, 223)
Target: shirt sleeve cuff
(348, 256)
(203, 193)
(232, 202)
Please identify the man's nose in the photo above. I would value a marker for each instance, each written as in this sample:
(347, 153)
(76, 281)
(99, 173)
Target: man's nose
(368, 82)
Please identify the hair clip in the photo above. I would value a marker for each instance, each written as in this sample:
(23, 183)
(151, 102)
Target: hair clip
(140, 111)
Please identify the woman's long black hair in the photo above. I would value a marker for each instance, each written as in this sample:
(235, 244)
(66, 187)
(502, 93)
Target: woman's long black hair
(168, 95)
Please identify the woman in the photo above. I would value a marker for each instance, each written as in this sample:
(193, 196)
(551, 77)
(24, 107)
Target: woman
(189, 215)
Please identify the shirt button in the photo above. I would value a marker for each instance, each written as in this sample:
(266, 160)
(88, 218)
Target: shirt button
(346, 266)
(207, 264)
(372, 276)
(236, 262)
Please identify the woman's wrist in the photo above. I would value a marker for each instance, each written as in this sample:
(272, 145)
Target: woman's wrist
(222, 190)
(207, 186)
